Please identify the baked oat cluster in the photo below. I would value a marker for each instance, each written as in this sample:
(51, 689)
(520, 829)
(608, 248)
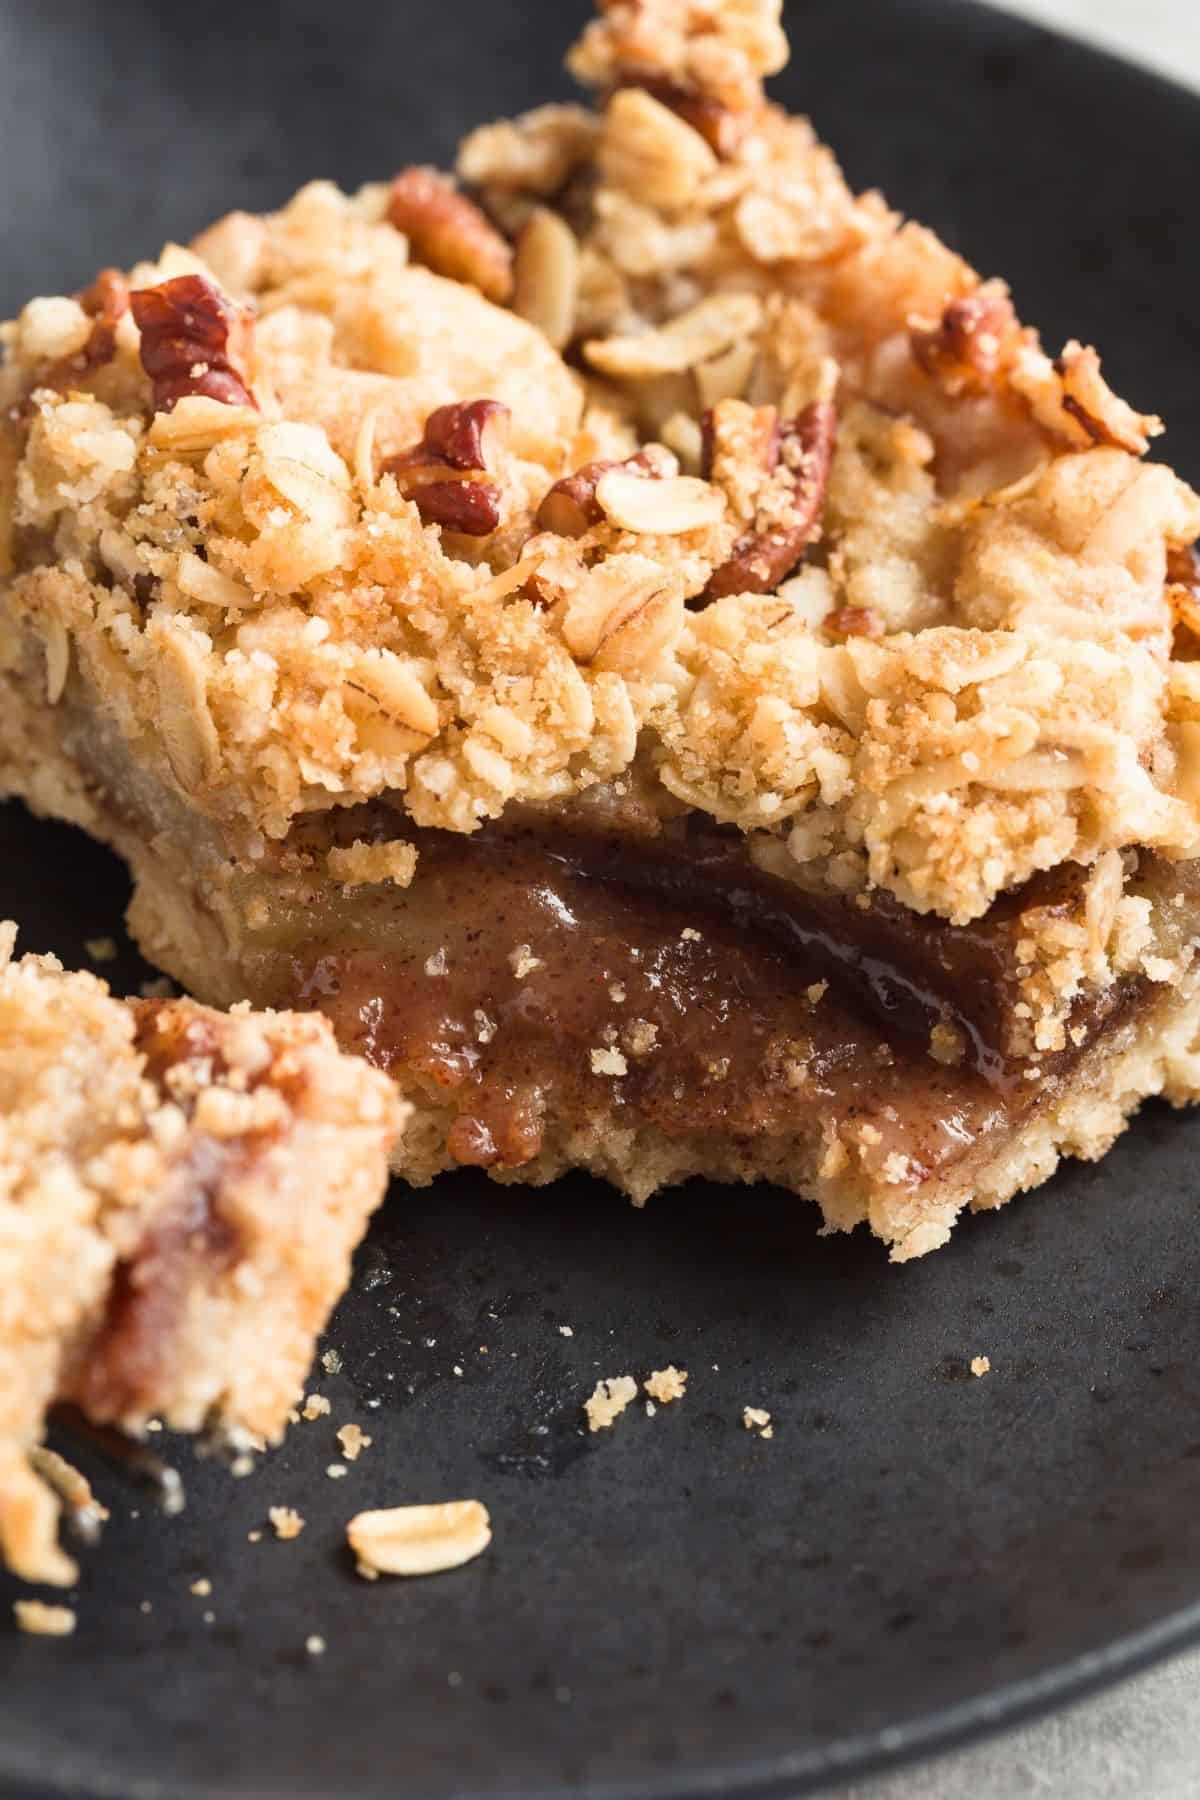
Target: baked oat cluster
(180, 1192)
(638, 471)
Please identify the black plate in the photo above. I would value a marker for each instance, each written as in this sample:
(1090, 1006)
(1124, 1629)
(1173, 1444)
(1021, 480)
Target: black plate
(674, 1607)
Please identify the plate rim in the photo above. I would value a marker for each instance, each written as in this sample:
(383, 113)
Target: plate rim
(40, 1772)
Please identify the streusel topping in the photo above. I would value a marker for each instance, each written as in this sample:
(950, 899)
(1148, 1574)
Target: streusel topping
(889, 591)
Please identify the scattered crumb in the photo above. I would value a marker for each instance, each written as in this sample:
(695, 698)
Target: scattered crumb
(242, 1465)
(457, 1370)
(331, 1362)
(153, 1425)
(651, 1409)
(316, 1406)
(254, 1537)
(42, 1620)
(566, 1331)
(101, 949)
(353, 1441)
(157, 989)
(666, 1384)
(286, 1521)
(980, 1365)
(757, 1418)
(436, 964)
(145, 1606)
(335, 1471)
(210, 1618)
(315, 1645)
(817, 992)
(523, 962)
(609, 1062)
(609, 1401)
(690, 936)
(203, 1587)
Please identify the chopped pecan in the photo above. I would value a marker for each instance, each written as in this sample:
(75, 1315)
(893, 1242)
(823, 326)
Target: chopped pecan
(106, 302)
(571, 507)
(789, 512)
(449, 232)
(194, 341)
(456, 433)
(1183, 587)
(853, 621)
(722, 127)
(965, 349)
(441, 474)
(1183, 565)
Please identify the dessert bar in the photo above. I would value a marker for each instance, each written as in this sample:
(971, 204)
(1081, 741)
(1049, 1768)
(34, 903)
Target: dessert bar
(643, 638)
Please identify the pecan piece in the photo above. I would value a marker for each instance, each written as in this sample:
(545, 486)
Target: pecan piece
(789, 514)
(571, 507)
(1183, 565)
(1183, 587)
(456, 434)
(853, 621)
(469, 507)
(449, 232)
(441, 474)
(106, 302)
(965, 349)
(194, 341)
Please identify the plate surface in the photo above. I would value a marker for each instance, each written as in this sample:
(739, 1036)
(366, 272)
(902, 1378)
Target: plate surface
(674, 1607)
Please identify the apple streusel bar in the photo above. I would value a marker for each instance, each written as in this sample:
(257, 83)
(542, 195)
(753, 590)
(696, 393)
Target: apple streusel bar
(642, 637)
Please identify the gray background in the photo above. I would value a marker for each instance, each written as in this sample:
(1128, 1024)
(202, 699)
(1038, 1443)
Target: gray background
(1142, 1739)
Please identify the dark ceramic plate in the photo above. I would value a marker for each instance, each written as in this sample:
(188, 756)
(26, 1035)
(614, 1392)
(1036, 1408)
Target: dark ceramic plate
(675, 1608)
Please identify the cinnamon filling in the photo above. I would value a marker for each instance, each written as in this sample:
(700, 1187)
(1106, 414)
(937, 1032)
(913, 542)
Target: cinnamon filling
(123, 1366)
(525, 979)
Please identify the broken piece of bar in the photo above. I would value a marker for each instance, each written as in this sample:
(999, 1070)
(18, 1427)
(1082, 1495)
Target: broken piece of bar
(180, 1194)
(642, 638)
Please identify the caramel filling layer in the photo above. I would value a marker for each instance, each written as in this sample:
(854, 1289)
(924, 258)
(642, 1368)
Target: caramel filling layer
(524, 979)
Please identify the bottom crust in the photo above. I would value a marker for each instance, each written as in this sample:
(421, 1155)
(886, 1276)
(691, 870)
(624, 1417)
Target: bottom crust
(1156, 1054)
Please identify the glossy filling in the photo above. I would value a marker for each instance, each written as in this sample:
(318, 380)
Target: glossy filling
(526, 979)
